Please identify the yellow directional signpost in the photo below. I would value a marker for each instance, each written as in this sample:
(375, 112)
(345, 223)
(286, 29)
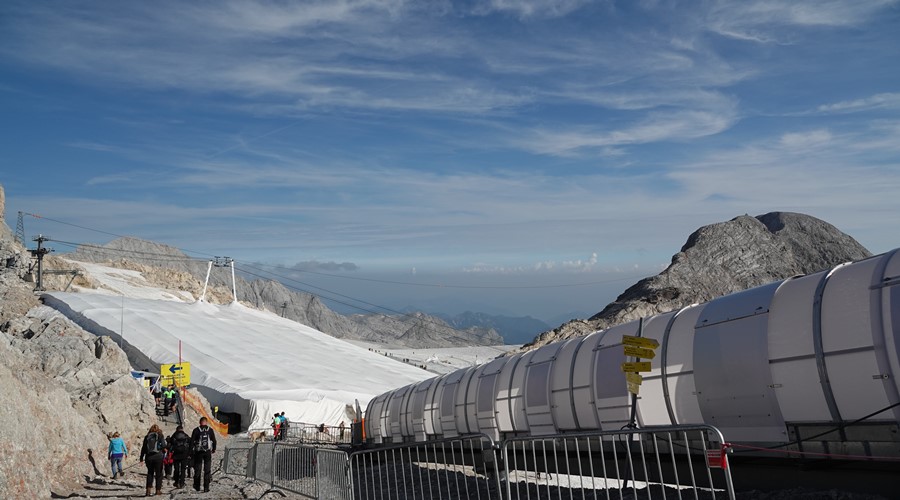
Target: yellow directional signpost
(641, 348)
(640, 366)
(176, 373)
(639, 352)
(640, 342)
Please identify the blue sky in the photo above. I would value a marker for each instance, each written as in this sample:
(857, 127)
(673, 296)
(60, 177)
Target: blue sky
(480, 143)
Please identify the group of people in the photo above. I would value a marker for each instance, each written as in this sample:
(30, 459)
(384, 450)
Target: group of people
(167, 396)
(161, 455)
(280, 425)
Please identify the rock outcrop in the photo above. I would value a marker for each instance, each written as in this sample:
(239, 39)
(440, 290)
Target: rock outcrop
(61, 391)
(724, 258)
(418, 330)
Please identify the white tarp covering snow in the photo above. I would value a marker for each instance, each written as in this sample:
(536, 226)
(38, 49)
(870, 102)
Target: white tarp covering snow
(248, 361)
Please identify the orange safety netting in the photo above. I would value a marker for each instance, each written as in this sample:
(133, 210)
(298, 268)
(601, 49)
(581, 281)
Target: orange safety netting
(196, 404)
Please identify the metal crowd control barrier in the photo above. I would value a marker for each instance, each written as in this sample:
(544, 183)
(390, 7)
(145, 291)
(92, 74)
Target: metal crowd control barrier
(661, 462)
(459, 468)
(306, 470)
(238, 459)
(306, 433)
(687, 461)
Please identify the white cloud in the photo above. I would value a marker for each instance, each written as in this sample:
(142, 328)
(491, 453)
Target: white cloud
(888, 100)
(530, 8)
(795, 140)
(765, 21)
(659, 126)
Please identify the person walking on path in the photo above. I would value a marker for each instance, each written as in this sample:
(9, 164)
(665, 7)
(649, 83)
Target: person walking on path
(169, 400)
(152, 451)
(117, 452)
(180, 443)
(203, 442)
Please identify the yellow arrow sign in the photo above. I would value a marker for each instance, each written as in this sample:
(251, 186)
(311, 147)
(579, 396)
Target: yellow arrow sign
(642, 366)
(639, 352)
(634, 388)
(633, 378)
(640, 342)
(176, 373)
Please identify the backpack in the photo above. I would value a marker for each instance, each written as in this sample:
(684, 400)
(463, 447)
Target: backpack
(203, 442)
(154, 443)
(181, 443)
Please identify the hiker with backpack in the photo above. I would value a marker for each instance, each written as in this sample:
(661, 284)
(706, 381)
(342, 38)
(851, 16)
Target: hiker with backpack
(152, 453)
(203, 442)
(181, 447)
(169, 399)
(117, 452)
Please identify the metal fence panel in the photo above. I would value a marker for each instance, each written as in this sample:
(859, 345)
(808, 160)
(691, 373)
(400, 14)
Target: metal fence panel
(657, 462)
(295, 469)
(332, 480)
(238, 459)
(667, 462)
(459, 468)
(262, 467)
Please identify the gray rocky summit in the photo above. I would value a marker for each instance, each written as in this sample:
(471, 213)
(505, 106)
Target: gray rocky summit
(724, 258)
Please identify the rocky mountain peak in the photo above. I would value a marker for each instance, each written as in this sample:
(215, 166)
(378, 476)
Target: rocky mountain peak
(724, 258)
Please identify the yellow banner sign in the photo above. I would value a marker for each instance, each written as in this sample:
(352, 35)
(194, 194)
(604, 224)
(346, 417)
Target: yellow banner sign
(642, 366)
(639, 352)
(634, 388)
(640, 342)
(633, 378)
(176, 373)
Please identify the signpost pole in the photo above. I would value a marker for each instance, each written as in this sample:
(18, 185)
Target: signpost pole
(632, 421)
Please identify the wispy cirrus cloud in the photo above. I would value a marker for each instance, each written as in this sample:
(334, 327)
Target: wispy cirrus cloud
(764, 21)
(886, 100)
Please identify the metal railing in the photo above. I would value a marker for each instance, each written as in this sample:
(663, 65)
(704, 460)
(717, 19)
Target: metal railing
(662, 462)
(306, 470)
(459, 468)
(655, 462)
(305, 433)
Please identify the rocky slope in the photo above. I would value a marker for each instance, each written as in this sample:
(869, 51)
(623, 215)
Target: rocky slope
(418, 330)
(63, 390)
(170, 268)
(514, 330)
(723, 258)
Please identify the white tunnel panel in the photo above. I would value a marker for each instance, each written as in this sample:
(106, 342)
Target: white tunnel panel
(890, 304)
(505, 394)
(466, 420)
(679, 353)
(610, 392)
(583, 382)
(651, 402)
(517, 394)
(561, 403)
(847, 339)
(431, 414)
(731, 367)
(486, 399)
(395, 411)
(537, 390)
(417, 404)
(792, 357)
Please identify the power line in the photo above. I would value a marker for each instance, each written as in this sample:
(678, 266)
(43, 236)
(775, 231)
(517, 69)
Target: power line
(170, 258)
(373, 280)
